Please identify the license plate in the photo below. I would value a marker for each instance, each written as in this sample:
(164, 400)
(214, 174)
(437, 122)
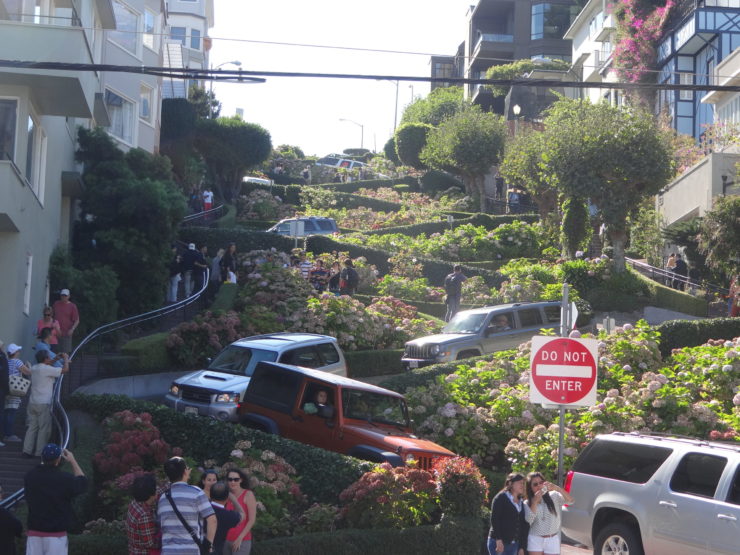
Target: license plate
(413, 364)
(191, 410)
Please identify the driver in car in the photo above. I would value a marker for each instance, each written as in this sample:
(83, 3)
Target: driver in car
(321, 399)
(500, 323)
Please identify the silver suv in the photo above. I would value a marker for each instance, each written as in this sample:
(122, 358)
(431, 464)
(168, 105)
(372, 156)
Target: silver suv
(218, 390)
(312, 225)
(482, 330)
(651, 494)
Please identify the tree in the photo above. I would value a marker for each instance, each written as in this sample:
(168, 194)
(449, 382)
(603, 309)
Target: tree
(576, 228)
(230, 147)
(131, 211)
(204, 102)
(390, 151)
(440, 104)
(467, 144)
(410, 140)
(177, 138)
(289, 152)
(612, 156)
(524, 168)
(719, 235)
(519, 68)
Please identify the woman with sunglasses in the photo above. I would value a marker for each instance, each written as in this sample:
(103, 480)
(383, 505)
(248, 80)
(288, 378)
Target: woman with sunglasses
(543, 511)
(508, 532)
(239, 538)
(48, 321)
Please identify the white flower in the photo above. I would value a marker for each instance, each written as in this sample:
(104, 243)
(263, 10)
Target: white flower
(449, 432)
(237, 453)
(627, 368)
(727, 368)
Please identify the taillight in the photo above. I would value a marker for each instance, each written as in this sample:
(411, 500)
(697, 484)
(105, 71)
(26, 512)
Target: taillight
(568, 482)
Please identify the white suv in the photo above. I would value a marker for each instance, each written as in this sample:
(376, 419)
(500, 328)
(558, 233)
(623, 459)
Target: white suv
(218, 390)
(652, 494)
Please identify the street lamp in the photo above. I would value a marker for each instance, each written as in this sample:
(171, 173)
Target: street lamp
(362, 130)
(517, 110)
(412, 92)
(236, 63)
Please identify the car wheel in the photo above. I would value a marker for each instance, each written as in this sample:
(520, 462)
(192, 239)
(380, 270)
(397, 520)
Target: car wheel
(618, 539)
(467, 354)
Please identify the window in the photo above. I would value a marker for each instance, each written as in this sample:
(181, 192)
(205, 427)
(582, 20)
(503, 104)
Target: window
(127, 27)
(328, 352)
(240, 360)
(274, 388)
(529, 317)
(36, 157)
(326, 225)
(685, 78)
(303, 356)
(629, 462)
(195, 39)
(551, 21)
(178, 34)
(150, 37)
(121, 113)
(27, 286)
(733, 495)
(8, 118)
(308, 225)
(146, 103)
(698, 474)
(552, 314)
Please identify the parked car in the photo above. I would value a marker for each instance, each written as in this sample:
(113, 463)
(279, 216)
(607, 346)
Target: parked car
(638, 493)
(218, 390)
(337, 161)
(482, 330)
(312, 225)
(356, 418)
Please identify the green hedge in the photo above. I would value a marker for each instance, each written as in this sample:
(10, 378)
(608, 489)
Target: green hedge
(245, 240)
(437, 310)
(424, 376)
(228, 220)
(351, 201)
(148, 353)
(256, 225)
(289, 193)
(354, 186)
(453, 536)
(435, 180)
(206, 438)
(486, 220)
(672, 299)
(373, 363)
(225, 297)
(675, 334)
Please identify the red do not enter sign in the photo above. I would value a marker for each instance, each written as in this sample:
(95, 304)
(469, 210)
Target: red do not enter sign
(563, 371)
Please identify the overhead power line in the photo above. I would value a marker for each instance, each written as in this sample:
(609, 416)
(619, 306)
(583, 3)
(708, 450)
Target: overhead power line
(259, 76)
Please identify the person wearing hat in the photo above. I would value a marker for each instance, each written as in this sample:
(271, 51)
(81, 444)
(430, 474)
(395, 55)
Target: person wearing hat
(65, 311)
(12, 402)
(4, 386)
(38, 415)
(49, 493)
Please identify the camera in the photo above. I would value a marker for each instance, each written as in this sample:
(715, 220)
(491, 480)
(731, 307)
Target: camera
(544, 490)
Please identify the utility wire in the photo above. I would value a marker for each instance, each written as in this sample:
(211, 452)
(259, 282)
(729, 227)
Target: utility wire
(258, 76)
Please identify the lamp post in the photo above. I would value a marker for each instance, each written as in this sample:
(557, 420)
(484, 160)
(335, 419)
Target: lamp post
(236, 63)
(412, 92)
(517, 110)
(362, 130)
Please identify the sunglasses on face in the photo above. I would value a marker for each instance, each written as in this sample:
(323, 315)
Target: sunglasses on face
(234, 479)
(535, 484)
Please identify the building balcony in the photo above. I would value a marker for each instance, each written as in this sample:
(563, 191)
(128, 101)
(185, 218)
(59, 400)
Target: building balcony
(493, 45)
(50, 38)
(15, 193)
(607, 28)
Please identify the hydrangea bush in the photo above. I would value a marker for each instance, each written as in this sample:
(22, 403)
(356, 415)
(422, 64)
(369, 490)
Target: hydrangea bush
(261, 205)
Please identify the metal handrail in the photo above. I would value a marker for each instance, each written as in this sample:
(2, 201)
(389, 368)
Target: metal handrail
(59, 415)
(204, 214)
(668, 275)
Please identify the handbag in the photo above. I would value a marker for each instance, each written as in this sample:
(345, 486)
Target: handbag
(18, 385)
(204, 546)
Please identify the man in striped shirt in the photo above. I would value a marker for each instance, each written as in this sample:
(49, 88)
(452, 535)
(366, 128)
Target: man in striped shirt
(194, 508)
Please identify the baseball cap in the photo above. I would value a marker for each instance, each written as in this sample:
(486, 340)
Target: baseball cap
(191, 246)
(13, 348)
(64, 292)
(51, 452)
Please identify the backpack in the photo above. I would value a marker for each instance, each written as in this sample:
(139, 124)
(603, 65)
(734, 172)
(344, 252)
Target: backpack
(353, 278)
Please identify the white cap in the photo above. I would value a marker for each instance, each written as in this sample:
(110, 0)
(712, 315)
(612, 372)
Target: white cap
(64, 292)
(191, 246)
(13, 348)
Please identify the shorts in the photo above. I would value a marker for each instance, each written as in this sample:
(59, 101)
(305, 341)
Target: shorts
(546, 545)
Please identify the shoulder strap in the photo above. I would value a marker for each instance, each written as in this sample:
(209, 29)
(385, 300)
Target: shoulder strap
(187, 526)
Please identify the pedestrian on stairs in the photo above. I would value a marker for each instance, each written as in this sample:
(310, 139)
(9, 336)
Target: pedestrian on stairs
(38, 413)
(12, 402)
(4, 386)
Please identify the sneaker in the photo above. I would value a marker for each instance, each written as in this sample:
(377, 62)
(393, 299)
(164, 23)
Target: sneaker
(27, 455)
(2, 444)
(13, 438)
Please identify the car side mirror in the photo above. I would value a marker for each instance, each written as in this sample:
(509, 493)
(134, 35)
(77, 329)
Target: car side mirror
(326, 411)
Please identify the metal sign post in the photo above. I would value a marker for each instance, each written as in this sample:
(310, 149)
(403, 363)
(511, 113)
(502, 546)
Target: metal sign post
(565, 327)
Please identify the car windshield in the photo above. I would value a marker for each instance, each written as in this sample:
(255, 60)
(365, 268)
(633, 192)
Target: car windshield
(465, 323)
(375, 407)
(240, 361)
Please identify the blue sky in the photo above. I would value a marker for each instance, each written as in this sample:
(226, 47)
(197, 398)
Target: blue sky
(307, 112)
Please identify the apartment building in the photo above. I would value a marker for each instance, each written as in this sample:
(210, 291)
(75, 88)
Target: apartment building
(187, 44)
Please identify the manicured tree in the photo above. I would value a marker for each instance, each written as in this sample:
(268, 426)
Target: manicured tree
(131, 210)
(519, 68)
(524, 168)
(230, 147)
(204, 102)
(390, 151)
(575, 229)
(410, 140)
(719, 235)
(177, 139)
(440, 104)
(467, 144)
(612, 156)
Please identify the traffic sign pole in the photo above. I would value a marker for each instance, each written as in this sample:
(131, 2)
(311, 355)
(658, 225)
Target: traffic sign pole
(565, 326)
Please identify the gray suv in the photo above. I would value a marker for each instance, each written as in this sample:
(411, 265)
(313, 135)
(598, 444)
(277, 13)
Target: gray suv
(219, 390)
(652, 494)
(484, 330)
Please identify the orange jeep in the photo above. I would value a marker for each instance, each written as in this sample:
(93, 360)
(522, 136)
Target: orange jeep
(335, 413)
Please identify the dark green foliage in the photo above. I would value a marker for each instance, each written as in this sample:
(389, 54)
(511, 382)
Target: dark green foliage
(290, 152)
(130, 213)
(94, 290)
(389, 149)
(148, 353)
(218, 238)
(356, 153)
(177, 139)
(437, 106)
(434, 181)
(354, 186)
(486, 220)
(225, 298)
(519, 68)
(575, 228)
(373, 363)
(205, 438)
(719, 237)
(204, 102)
(427, 375)
(676, 334)
(686, 234)
(95, 544)
(453, 536)
(411, 138)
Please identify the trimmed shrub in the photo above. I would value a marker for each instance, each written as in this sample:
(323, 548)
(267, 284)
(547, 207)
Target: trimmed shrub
(224, 300)
(452, 536)
(209, 439)
(427, 375)
(149, 353)
(436, 180)
(228, 220)
(354, 186)
(672, 299)
(289, 194)
(245, 240)
(488, 221)
(373, 363)
(676, 334)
